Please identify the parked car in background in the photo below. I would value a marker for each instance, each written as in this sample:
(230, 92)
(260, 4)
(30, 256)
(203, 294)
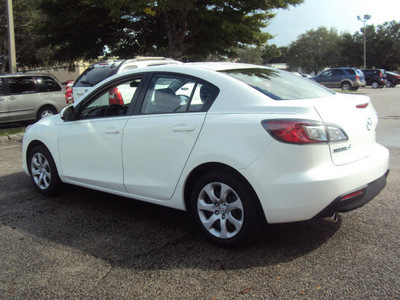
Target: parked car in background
(376, 78)
(392, 79)
(102, 70)
(344, 78)
(237, 145)
(25, 97)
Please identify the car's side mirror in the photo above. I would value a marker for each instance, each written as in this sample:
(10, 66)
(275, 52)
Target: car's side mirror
(68, 113)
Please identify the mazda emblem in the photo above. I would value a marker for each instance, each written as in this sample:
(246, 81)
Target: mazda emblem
(369, 124)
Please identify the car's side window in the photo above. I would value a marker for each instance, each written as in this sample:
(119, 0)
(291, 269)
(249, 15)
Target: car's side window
(111, 102)
(175, 94)
(326, 73)
(21, 85)
(47, 84)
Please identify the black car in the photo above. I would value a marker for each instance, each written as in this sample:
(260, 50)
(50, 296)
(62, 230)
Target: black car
(376, 78)
(392, 79)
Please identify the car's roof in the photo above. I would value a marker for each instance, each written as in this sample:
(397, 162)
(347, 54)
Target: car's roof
(222, 66)
(26, 74)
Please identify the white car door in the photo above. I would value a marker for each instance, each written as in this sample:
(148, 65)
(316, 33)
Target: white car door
(157, 142)
(90, 147)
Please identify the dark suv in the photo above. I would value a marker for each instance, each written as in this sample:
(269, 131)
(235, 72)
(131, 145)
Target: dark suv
(376, 78)
(344, 78)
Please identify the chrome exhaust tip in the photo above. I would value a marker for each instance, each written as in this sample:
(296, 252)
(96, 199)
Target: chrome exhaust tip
(333, 219)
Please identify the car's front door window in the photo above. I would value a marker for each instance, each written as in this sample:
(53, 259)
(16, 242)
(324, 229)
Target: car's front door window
(111, 102)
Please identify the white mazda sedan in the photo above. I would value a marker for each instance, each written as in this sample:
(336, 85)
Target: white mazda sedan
(237, 145)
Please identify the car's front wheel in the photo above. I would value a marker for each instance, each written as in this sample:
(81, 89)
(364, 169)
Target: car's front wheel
(43, 171)
(225, 209)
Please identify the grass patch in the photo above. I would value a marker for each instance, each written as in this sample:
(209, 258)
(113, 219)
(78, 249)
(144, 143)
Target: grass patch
(10, 131)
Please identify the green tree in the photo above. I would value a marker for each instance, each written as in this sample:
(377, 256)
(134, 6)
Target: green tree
(185, 29)
(250, 55)
(270, 53)
(26, 15)
(314, 50)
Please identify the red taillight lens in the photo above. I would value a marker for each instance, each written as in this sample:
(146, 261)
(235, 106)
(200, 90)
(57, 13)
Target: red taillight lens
(68, 95)
(303, 131)
(357, 78)
(353, 194)
(115, 97)
(380, 75)
(292, 131)
(362, 105)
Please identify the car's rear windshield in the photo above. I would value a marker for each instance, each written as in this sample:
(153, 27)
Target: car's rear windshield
(93, 75)
(280, 85)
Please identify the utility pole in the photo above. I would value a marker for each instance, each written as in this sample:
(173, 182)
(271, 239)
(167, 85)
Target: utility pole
(365, 19)
(11, 39)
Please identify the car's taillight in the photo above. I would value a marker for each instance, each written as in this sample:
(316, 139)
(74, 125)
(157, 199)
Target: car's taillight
(303, 131)
(380, 75)
(115, 97)
(68, 96)
(357, 78)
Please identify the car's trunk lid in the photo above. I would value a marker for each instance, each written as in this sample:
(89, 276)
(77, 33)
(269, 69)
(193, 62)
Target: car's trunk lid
(357, 117)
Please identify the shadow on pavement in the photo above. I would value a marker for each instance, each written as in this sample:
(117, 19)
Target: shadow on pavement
(132, 234)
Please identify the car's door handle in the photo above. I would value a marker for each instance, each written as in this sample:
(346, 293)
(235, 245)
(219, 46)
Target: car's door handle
(183, 128)
(112, 131)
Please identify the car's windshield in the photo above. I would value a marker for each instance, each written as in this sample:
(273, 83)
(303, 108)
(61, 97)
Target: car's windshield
(279, 85)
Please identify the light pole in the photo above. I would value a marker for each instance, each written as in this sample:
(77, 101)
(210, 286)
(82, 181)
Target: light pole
(11, 38)
(365, 19)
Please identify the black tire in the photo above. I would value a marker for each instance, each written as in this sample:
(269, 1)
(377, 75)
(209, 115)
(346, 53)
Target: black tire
(389, 84)
(46, 111)
(43, 171)
(346, 86)
(228, 220)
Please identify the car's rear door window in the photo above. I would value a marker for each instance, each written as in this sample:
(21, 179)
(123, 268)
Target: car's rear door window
(176, 94)
(47, 84)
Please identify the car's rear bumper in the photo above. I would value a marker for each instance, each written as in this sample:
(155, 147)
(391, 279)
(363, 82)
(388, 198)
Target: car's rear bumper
(297, 185)
(363, 195)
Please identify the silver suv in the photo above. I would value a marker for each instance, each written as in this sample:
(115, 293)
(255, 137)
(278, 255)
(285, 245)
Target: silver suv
(25, 97)
(102, 70)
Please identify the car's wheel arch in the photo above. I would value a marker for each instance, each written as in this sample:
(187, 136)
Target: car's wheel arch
(346, 81)
(46, 106)
(210, 167)
(31, 146)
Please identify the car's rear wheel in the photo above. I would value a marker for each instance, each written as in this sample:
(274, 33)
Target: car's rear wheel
(375, 85)
(46, 111)
(346, 86)
(225, 209)
(389, 83)
(43, 171)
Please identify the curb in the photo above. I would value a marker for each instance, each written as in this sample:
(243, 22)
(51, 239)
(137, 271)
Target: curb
(11, 138)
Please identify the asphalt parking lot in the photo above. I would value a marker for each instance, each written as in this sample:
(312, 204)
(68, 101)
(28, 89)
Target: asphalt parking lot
(86, 244)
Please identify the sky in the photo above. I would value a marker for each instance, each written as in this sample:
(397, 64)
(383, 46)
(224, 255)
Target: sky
(287, 25)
